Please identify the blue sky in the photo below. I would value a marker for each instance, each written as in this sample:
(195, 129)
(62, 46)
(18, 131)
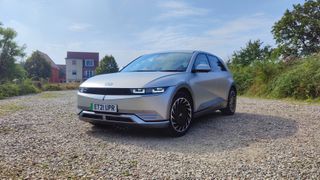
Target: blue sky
(127, 28)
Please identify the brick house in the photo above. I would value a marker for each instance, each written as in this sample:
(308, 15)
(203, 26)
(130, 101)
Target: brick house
(62, 73)
(81, 65)
(54, 78)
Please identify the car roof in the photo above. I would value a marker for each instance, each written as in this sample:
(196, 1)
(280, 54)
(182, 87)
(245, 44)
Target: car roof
(180, 51)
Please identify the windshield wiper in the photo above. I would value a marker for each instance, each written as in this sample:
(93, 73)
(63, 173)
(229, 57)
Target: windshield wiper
(158, 71)
(143, 71)
(171, 70)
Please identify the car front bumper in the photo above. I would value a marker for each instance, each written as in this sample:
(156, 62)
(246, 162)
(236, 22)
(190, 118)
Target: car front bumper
(125, 119)
(141, 110)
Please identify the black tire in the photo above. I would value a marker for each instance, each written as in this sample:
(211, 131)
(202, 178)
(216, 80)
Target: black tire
(231, 104)
(180, 115)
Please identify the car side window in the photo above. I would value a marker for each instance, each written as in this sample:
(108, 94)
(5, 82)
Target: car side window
(216, 64)
(201, 59)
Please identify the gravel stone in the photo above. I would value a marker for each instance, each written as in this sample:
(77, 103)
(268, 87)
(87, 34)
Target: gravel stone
(265, 139)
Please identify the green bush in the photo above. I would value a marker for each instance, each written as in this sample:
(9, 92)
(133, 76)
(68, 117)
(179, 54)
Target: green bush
(59, 87)
(27, 87)
(22, 87)
(71, 86)
(243, 76)
(300, 79)
(52, 87)
(8, 90)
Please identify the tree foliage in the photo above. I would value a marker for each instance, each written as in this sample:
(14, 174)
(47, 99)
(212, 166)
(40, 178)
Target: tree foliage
(253, 51)
(107, 65)
(37, 67)
(9, 52)
(298, 31)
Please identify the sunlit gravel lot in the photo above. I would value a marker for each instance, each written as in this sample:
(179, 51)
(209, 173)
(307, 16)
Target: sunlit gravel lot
(41, 137)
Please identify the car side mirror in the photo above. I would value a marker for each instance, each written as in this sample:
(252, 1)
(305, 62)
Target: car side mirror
(202, 68)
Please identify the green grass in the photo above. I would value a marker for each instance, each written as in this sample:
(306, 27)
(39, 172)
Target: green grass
(290, 100)
(10, 108)
(49, 95)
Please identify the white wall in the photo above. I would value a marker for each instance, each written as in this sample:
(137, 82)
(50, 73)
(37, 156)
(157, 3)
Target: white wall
(77, 67)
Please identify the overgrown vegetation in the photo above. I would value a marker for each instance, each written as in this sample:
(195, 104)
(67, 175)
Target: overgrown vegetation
(26, 86)
(299, 79)
(22, 87)
(292, 69)
(60, 86)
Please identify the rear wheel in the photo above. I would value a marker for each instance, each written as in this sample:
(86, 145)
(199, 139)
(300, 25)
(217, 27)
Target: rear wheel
(180, 114)
(231, 104)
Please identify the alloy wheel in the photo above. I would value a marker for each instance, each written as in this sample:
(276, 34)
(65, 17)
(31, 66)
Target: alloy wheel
(181, 114)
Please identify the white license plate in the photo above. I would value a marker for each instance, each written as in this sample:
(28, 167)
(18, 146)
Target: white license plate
(104, 107)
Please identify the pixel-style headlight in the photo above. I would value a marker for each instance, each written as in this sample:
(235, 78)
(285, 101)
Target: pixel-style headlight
(82, 89)
(156, 90)
(139, 91)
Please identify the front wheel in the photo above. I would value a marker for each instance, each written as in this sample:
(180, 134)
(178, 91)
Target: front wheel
(231, 104)
(180, 114)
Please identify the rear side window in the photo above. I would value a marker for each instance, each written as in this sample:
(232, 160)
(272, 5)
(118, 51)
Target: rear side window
(201, 59)
(216, 64)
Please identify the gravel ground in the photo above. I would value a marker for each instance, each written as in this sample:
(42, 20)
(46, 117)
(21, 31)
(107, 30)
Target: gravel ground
(41, 137)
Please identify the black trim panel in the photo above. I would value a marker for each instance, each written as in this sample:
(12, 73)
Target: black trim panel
(108, 91)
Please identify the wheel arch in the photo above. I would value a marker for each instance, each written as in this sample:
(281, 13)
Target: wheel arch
(233, 86)
(186, 89)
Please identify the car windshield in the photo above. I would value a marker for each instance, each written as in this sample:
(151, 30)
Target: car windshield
(170, 62)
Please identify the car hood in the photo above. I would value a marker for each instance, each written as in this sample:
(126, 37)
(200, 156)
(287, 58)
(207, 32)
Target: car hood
(126, 79)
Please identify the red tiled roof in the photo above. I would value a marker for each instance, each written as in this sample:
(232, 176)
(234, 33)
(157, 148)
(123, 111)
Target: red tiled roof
(48, 59)
(82, 55)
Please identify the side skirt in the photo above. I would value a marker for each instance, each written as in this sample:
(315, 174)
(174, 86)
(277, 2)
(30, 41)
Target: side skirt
(210, 109)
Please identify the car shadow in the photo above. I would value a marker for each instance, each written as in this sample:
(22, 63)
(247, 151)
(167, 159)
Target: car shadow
(210, 133)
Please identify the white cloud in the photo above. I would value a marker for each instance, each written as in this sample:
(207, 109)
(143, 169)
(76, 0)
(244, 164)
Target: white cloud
(176, 9)
(242, 25)
(223, 40)
(79, 27)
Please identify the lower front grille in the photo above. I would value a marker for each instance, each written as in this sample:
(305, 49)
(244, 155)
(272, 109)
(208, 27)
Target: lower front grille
(107, 117)
(118, 118)
(93, 116)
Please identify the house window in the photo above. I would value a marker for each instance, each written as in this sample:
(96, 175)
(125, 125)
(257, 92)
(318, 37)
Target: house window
(74, 72)
(89, 73)
(89, 62)
(74, 62)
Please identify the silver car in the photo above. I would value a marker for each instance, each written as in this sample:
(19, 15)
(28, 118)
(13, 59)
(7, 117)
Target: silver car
(160, 90)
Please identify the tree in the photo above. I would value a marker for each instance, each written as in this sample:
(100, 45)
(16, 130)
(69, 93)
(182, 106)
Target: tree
(37, 67)
(9, 52)
(298, 31)
(254, 51)
(107, 65)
